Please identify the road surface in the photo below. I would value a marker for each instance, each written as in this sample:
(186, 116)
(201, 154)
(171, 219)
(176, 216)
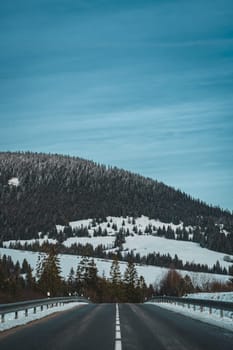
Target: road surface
(136, 326)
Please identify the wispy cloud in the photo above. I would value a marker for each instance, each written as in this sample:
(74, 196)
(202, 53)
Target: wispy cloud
(145, 85)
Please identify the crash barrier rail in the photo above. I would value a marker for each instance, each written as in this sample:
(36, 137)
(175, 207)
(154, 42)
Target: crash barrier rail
(34, 304)
(202, 303)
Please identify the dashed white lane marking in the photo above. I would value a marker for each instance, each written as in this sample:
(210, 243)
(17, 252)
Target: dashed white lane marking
(118, 343)
(118, 335)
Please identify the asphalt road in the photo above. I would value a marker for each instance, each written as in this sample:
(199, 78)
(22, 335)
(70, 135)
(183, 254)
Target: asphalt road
(142, 327)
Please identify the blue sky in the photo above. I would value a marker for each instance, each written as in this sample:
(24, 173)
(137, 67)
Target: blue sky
(143, 85)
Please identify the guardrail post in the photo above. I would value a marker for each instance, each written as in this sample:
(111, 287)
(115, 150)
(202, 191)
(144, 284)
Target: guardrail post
(34, 310)
(16, 315)
(26, 312)
(221, 313)
(41, 308)
(2, 318)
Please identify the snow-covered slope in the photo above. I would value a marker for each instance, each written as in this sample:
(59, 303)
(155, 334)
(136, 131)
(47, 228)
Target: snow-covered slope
(186, 251)
(152, 274)
(140, 242)
(125, 222)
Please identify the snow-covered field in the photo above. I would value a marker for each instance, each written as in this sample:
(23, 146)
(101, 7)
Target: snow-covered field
(223, 296)
(152, 274)
(214, 318)
(11, 322)
(186, 251)
(142, 244)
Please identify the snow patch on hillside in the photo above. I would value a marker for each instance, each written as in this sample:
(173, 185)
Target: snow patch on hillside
(14, 181)
(39, 241)
(128, 223)
(108, 242)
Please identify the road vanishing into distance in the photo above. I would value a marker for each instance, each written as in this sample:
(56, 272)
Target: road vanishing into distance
(116, 327)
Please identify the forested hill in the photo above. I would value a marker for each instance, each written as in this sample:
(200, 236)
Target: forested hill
(55, 189)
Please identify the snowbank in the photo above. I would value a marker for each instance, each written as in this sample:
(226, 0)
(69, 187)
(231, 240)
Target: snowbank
(204, 315)
(11, 322)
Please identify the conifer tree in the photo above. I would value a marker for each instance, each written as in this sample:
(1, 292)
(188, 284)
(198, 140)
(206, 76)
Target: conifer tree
(115, 279)
(92, 274)
(79, 280)
(141, 288)
(84, 270)
(39, 264)
(115, 274)
(86, 275)
(71, 280)
(30, 280)
(25, 266)
(130, 275)
(130, 281)
(50, 280)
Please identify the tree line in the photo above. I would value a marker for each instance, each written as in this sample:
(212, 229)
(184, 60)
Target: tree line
(18, 283)
(153, 259)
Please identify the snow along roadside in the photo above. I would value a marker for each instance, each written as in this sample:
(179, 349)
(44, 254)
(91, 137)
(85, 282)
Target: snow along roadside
(224, 322)
(11, 322)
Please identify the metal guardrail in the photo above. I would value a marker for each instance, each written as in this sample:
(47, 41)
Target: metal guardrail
(33, 304)
(210, 304)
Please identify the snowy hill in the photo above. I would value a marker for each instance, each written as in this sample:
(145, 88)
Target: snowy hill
(40, 191)
(152, 274)
(141, 242)
(73, 202)
(137, 239)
